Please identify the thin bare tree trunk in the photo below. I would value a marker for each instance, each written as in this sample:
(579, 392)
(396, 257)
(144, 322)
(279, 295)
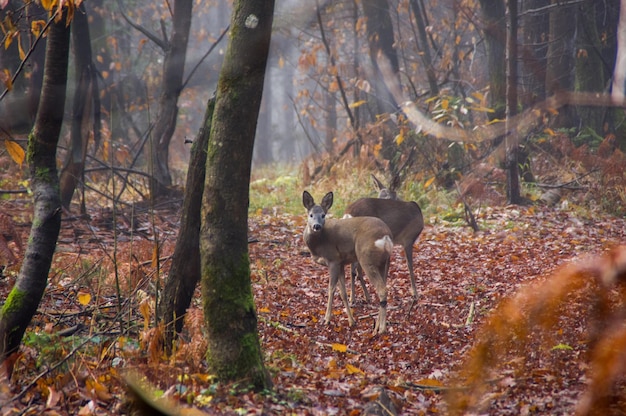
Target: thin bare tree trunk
(511, 143)
(184, 273)
(173, 69)
(85, 99)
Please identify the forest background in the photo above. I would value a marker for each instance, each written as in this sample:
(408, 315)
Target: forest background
(452, 104)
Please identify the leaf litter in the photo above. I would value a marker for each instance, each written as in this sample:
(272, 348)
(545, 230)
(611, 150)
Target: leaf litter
(462, 276)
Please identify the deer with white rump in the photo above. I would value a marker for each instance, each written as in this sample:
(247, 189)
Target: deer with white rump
(337, 242)
(404, 219)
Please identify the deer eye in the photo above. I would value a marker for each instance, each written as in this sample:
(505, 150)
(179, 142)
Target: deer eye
(323, 215)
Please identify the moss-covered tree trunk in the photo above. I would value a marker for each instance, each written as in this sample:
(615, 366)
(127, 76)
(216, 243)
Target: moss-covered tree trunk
(234, 351)
(184, 273)
(23, 300)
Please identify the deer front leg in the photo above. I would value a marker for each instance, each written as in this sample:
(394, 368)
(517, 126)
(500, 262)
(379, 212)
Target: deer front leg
(344, 296)
(333, 270)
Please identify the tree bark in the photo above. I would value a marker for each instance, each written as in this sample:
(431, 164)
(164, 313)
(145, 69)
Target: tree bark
(495, 35)
(234, 350)
(589, 66)
(382, 53)
(184, 272)
(83, 107)
(173, 69)
(534, 32)
(419, 14)
(23, 300)
(511, 143)
(560, 59)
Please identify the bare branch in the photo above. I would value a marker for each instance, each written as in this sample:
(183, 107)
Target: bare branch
(161, 43)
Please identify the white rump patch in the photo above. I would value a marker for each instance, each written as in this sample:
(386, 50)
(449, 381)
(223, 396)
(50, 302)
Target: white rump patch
(384, 243)
(346, 216)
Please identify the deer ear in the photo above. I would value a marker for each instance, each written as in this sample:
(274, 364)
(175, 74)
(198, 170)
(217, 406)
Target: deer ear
(307, 200)
(378, 184)
(327, 201)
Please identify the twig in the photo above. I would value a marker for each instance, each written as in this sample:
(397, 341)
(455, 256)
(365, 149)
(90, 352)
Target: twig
(193, 70)
(163, 44)
(471, 313)
(320, 344)
(49, 370)
(30, 51)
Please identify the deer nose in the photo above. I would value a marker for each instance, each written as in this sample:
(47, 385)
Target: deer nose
(317, 227)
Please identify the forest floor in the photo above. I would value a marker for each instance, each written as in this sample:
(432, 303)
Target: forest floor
(95, 322)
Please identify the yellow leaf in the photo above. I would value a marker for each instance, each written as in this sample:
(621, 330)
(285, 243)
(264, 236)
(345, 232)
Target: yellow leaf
(483, 109)
(5, 77)
(377, 148)
(430, 382)
(445, 104)
(47, 4)
(144, 308)
(99, 389)
(264, 310)
(357, 104)
(20, 51)
(7, 41)
(399, 139)
(340, 347)
(353, 370)
(84, 298)
(36, 27)
(15, 151)
(478, 95)
(550, 131)
(429, 182)
(281, 62)
(155, 255)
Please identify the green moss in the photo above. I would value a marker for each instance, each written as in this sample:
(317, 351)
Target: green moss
(14, 301)
(30, 148)
(234, 349)
(43, 174)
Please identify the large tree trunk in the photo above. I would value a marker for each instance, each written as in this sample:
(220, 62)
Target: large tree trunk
(534, 29)
(85, 99)
(234, 351)
(560, 59)
(23, 300)
(419, 14)
(589, 66)
(184, 273)
(495, 35)
(173, 69)
(382, 54)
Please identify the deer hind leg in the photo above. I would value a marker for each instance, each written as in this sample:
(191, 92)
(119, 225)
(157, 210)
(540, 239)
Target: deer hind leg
(357, 271)
(378, 277)
(408, 254)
